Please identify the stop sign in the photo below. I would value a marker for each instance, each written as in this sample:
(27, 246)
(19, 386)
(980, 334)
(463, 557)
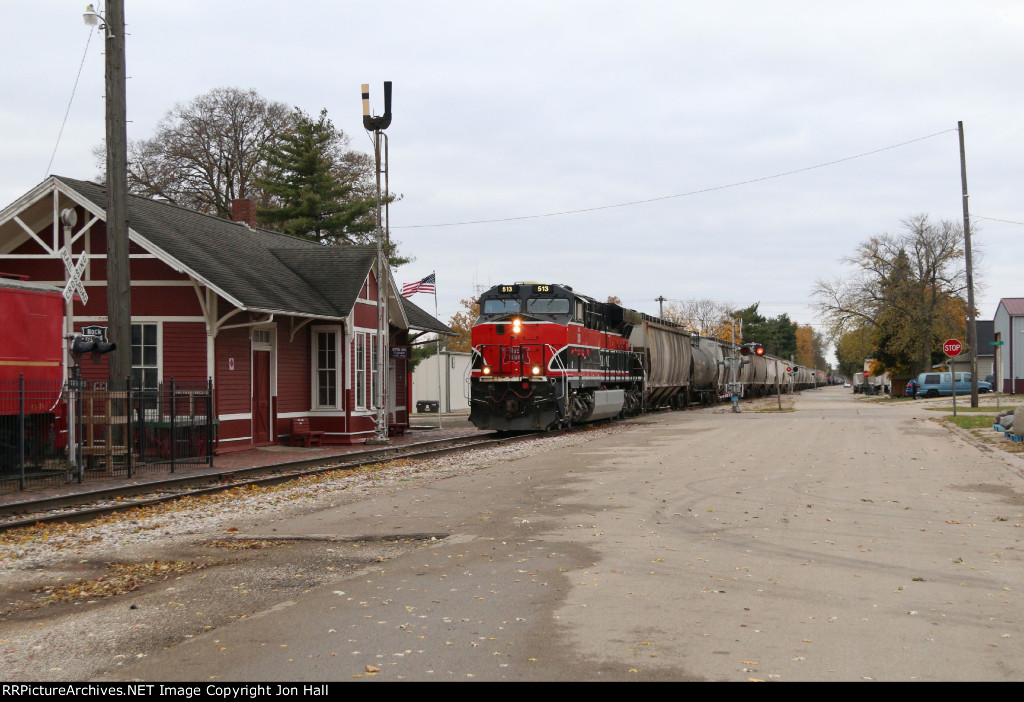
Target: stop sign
(952, 347)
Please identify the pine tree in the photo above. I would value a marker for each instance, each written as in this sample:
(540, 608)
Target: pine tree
(311, 200)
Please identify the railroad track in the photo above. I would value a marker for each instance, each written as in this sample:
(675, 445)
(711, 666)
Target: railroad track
(86, 505)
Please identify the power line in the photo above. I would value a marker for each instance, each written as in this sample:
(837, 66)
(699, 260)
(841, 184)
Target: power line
(993, 219)
(678, 195)
(72, 99)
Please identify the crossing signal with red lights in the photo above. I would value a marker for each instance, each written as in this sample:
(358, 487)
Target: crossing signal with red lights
(752, 348)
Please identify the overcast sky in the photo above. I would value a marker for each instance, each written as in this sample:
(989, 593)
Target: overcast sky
(518, 111)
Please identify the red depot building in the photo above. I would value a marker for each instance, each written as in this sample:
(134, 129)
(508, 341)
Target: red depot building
(286, 328)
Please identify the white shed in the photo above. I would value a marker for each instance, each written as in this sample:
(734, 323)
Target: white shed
(453, 368)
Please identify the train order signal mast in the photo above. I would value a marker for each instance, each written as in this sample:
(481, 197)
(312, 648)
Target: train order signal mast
(377, 125)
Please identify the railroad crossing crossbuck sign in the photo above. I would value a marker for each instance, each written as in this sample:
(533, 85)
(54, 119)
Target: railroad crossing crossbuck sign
(952, 347)
(75, 276)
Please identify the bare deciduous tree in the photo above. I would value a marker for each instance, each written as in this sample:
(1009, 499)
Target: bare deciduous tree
(705, 317)
(208, 151)
(907, 288)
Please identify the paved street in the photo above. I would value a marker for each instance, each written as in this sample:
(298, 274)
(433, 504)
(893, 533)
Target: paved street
(845, 540)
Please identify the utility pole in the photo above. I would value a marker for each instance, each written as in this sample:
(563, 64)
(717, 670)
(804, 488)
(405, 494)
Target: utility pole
(972, 323)
(661, 309)
(119, 315)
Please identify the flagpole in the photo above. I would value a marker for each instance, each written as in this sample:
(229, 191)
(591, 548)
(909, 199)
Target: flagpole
(437, 347)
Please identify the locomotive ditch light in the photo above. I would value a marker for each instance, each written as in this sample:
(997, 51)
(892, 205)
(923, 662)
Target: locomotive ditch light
(486, 370)
(535, 370)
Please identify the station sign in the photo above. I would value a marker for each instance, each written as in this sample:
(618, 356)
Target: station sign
(96, 333)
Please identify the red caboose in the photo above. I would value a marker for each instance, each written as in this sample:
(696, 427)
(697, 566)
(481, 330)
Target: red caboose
(31, 367)
(33, 319)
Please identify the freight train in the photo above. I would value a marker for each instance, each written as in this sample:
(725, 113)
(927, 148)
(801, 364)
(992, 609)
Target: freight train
(545, 357)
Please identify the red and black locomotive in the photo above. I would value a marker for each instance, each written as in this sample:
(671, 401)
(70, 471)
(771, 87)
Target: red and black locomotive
(545, 356)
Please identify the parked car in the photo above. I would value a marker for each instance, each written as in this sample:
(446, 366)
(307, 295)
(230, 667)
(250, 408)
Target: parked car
(937, 384)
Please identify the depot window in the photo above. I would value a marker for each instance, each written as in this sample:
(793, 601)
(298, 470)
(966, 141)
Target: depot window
(326, 367)
(365, 361)
(145, 356)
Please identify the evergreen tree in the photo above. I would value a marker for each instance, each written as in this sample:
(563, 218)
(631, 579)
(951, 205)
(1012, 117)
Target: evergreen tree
(776, 334)
(314, 190)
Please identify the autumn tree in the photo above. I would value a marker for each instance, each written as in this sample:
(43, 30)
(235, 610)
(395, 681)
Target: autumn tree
(852, 348)
(462, 324)
(907, 289)
(208, 151)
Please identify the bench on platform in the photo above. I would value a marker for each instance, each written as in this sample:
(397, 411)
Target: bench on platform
(302, 435)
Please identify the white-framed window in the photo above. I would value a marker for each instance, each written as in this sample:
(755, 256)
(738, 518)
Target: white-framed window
(327, 387)
(360, 362)
(374, 372)
(364, 366)
(145, 355)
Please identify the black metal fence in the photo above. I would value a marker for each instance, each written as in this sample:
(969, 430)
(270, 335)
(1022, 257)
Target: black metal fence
(52, 433)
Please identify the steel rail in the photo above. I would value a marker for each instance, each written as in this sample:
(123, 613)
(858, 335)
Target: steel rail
(83, 506)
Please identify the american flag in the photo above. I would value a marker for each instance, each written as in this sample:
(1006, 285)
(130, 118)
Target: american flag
(420, 286)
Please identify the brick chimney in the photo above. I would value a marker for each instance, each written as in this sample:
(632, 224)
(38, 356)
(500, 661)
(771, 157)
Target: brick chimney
(244, 211)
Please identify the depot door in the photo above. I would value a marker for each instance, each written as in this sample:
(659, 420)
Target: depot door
(261, 418)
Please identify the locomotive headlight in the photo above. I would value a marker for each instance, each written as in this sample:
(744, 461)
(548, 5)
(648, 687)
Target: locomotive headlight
(517, 326)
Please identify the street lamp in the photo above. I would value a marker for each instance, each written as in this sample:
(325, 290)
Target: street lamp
(94, 18)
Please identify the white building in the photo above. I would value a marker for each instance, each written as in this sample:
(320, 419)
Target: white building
(453, 369)
(1009, 361)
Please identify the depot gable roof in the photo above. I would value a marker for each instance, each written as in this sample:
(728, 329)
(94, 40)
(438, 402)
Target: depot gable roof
(254, 269)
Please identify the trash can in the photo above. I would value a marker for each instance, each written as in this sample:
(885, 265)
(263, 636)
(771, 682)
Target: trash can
(427, 406)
